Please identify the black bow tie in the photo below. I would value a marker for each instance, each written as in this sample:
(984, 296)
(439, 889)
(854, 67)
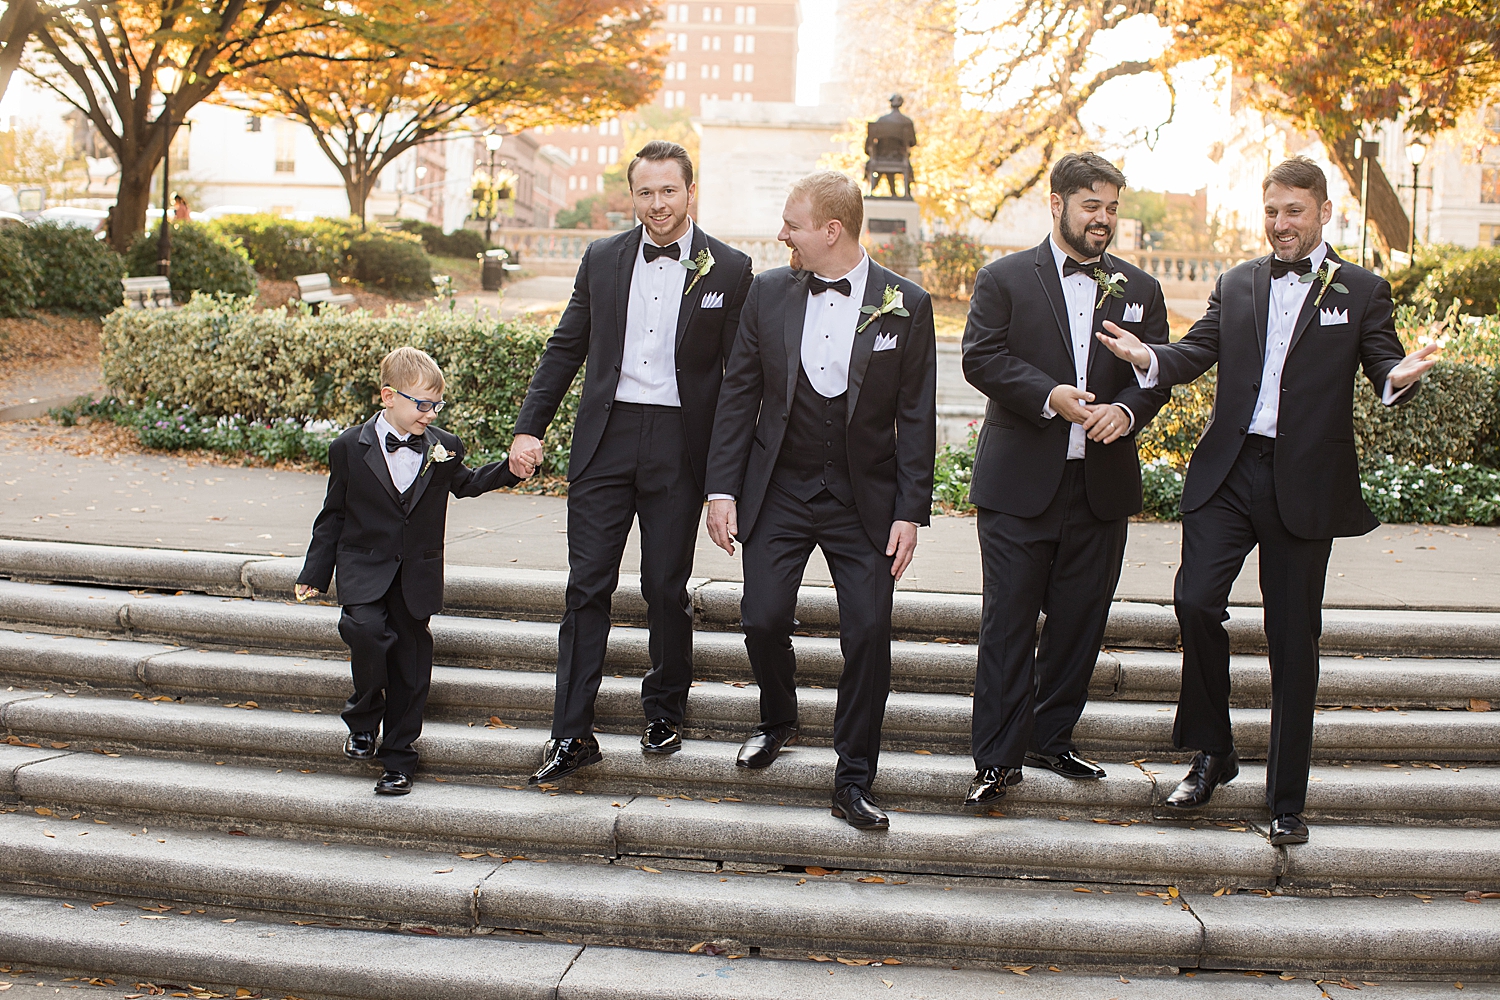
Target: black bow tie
(395, 444)
(1071, 266)
(652, 251)
(818, 286)
(1281, 268)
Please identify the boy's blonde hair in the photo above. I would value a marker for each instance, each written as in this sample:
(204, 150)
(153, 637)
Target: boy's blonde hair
(832, 195)
(408, 368)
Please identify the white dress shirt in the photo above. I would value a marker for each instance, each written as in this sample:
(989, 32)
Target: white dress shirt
(648, 365)
(1079, 291)
(828, 328)
(1288, 295)
(403, 463)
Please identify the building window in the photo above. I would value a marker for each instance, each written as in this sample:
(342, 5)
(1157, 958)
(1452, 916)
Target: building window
(252, 123)
(671, 12)
(716, 43)
(718, 14)
(738, 72)
(708, 13)
(749, 73)
(707, 43)
(747, 95)
(715, 73)
(583, 154)
(572, 183)
(749, 43)
(1489, 236)
(599, 183)
(614, 154)
(666, 98)
(614, 126)
(286, 147)
(739, 43)
(1489, 185)
(682, 43)
(682, 98)
(749, 15)
(682, 71)
(603, 154)
(682, 12)
(704, 74)
(739, 15)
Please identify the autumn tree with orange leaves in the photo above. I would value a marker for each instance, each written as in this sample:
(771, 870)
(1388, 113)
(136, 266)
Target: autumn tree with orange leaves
(397, 73)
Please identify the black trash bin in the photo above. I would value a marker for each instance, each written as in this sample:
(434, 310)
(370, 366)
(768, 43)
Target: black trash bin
(492, 275)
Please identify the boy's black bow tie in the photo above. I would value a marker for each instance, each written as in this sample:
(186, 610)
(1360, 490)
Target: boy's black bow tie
(652, 251)
(394, 444)
(1281, 268)
(1071, 266)
(818, 286)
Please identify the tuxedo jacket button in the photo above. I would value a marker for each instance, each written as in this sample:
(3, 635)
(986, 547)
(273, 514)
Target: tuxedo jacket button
(1242, 430)
(398, 558)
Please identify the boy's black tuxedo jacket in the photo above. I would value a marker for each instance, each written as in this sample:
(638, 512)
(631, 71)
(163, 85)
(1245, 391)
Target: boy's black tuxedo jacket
(1018, 347)
(592, 329)
(366, 532)
(890, 413)
(1317, 468)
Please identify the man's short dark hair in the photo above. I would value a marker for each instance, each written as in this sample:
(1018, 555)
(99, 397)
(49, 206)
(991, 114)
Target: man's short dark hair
(659, 150)
(1299, 172)
(1081, 171)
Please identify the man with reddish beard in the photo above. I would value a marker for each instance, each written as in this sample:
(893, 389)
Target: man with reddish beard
(1056, 476)
(654, 312)
(1276, 468)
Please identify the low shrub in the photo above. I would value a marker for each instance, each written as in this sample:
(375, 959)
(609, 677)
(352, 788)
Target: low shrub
(183, 427)
(1449, 493)
(284, 248)
(1406, 280)
(1174, 433)
(903, 254)
(951, 260)
(1471, 277)
(18, 279)
(953, 473)
(77, 273)
(394, 262)
(1161, 490)
(459, 243)
(202, 261)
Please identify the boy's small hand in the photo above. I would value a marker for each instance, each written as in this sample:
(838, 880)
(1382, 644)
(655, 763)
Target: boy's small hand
(304, 592)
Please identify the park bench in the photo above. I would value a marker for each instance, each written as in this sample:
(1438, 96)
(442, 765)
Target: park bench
(317, 291)
(148, 293)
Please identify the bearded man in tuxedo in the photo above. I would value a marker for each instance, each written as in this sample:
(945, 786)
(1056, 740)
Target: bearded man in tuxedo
(1276, 467)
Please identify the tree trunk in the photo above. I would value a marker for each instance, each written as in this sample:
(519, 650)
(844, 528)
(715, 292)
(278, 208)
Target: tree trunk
(20, 19)
(1392, 227)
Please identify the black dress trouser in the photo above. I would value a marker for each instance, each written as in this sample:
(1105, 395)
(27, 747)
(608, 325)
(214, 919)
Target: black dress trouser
(1029, 692)
(775, 556)
(640, 469)
(390, 656)
(1216, 538)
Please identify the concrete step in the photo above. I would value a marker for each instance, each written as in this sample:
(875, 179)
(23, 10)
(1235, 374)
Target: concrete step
(774, 914)
(920, 666)
(305, 802)
(538, 595)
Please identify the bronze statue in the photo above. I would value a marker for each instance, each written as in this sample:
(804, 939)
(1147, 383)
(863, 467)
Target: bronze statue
(888, 141)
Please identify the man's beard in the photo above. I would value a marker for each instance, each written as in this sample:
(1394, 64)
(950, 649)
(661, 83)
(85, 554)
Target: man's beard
(1078, 239)
(796, 260)
(1304, 248)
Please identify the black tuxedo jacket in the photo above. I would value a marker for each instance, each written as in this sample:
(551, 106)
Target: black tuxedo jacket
(367, 533)
(1317, 468)
(1018, 347)
(890, 411)
(593, 329)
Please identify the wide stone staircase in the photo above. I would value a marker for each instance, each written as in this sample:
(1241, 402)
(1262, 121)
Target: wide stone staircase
(174, 802)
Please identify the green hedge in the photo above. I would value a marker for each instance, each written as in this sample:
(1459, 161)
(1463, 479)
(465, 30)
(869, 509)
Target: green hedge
(459, 243)
(216, 357)
(18, 278)
(1472, 277)
(394, 262)
(202, 261)
(284, 248)
(78, 273)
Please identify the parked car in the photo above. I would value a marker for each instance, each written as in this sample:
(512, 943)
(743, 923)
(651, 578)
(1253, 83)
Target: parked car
(10, 219)
(91, 219)
(219, 211)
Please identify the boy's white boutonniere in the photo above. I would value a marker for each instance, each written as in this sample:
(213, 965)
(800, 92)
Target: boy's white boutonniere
(700, 266)
(1110, 285)
(437, 453)
(1325, 273)
(891, 302)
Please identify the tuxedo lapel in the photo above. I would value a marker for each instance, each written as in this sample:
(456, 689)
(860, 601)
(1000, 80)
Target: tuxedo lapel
(625, 267)
(864, 343)
(796, 312)
(688, 307)
(420, 485)
(375, 459)
(1046, 272)
(1106, 307)
(1309, 308)
(1261, 277)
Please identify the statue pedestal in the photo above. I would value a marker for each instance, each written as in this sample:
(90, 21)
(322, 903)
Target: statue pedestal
(887, 218)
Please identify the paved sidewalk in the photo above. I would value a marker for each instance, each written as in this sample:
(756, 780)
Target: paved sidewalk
(170, 503)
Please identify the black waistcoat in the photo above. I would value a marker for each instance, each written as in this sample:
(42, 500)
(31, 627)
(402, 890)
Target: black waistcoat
(814, 453)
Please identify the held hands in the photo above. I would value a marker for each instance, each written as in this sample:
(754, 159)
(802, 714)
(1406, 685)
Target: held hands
(1069, 403)
(1412, 367)
(903, 546)
(526, 454)
(1125, 345)
(1107, 423)
(304, 592)
(723, 524)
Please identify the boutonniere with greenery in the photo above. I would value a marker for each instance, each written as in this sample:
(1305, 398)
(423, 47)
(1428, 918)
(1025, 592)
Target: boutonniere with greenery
(700, 266)
(891, 302)
(1110, 285)
(1325, 274)
(437, 453)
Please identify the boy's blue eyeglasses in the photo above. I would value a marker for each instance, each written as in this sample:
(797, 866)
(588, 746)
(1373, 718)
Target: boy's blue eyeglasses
(423, 405)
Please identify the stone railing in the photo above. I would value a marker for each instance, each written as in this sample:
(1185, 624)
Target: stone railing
(563, 246)
(1165, 266)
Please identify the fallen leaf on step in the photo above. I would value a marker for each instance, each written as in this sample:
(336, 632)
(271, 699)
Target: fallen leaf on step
(697, 948)
(874, 879)
(1053, 968)
(1220, 892)
(49, 833)
(105, 752)
(61, 746)
(496, 723)
(820, 958)
(442, 871)
(44, 811)
(925, 753)
(1020, 970)
(470, 855)
(647, 868)
(888, 983)
(1478, 705)
(1081, 889)
(851, 961)
(1172, 891)
(890, 961)
(817, 872)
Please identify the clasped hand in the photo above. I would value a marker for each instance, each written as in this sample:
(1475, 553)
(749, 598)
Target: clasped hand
(526, 455)
(1104, 422)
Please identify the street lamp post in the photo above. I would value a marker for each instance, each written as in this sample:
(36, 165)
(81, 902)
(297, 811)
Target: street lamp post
(492, 142)
(168, 79)
(364, 125)
(1365, 150)
(1415, 152)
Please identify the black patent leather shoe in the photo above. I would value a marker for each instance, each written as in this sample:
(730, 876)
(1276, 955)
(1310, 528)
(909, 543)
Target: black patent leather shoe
(1288, 828)
(1068, 764)
(1207, 772)
(393, 783)
(858, 808)
(563, 757)
(764, 744)
(661, 736)
(990, 783)
(360, 746)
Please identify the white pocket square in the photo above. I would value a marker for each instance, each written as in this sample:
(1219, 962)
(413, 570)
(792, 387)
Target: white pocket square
(885, 342)
(1133, 312)
(712, 300)
(1332, 317)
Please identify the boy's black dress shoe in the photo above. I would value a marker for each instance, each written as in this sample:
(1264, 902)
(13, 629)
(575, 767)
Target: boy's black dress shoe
(393, 783)
(989, 784)
(764, 744)
(565, 756)
(1207, 772)
(661, 736)
(1068, 764)
(856, 807)
(1288, 828)
(360, 746)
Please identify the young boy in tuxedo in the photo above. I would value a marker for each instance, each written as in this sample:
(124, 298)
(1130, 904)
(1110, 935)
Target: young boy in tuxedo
(382, 528)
